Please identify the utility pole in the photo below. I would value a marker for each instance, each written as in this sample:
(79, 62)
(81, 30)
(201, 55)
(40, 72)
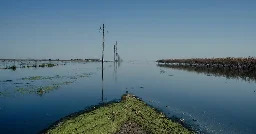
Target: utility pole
(103, 41)
(103, 45)
(102, 58)
(114, 53)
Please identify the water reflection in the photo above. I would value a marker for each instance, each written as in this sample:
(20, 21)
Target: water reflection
(249, 76)
(102, 82)
(116, 66)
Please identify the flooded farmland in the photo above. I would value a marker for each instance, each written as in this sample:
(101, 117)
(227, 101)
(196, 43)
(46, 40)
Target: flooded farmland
(31, 99)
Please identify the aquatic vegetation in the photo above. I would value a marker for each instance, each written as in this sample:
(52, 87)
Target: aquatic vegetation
(241, 64)
(67, 82)
(33, 89)
(42, 77)
(42, 65)
(37, 90)
(7, 81)
(17, 83)
(111, 117)
(4, 94)
(72, 77)
(85, 75)
(63, 83)
(33, 78)
(12, 67)
(47, 65)
(162, 71)
(42, 90)
(56, 77)
(50, 65)
(25, 90)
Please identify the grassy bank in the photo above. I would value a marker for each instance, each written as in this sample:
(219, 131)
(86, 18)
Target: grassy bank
(109, 119)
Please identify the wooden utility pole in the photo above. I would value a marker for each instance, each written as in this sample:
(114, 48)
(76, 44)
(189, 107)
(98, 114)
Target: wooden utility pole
(103, 41)
(114, 53)
(103, 45)
(102, 58)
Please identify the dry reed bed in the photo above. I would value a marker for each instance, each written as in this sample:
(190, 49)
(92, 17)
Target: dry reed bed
(239, 64)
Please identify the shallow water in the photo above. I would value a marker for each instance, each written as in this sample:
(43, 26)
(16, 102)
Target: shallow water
(212, 104)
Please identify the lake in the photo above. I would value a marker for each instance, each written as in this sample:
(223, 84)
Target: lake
(209, 103)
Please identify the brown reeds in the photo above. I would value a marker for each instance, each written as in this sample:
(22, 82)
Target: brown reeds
(229, 63)
(231, 68)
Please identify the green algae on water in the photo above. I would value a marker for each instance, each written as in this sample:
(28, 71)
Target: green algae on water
(36, 90)
(47, 65)
(33, 78)
(109, 119)
(1, 94)
(24, 90)
(42, 90)
(31, 89)
(41, 77)
(50, 65)
(5, 94)
(66, 83)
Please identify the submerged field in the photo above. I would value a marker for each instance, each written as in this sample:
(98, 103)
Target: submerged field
(31, 99)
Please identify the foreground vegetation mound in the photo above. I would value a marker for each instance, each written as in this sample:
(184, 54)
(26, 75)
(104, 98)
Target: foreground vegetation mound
(112, 118)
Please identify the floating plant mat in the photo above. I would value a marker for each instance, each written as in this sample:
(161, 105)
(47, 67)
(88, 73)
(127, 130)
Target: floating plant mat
(111, 118)
(3, 94)
(39, 84)
(42, 77)
(57, 77)
(42, 89)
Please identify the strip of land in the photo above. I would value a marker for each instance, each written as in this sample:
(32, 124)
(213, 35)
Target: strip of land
(229, 62)
(130, 115)
(243, 68)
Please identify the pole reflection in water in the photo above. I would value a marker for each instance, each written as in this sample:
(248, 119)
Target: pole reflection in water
(116, 66)
(102, 83)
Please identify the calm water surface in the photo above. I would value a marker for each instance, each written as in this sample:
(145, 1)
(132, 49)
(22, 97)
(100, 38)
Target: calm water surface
(212, 104)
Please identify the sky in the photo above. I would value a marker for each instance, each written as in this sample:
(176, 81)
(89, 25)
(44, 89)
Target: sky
(144, 29)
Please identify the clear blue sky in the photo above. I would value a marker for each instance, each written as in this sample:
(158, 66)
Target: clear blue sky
(144, 29)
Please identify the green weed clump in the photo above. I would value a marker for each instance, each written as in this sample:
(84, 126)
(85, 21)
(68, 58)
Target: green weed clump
(47, 65)
(33, 78)
(50, 65)
(12, 67)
